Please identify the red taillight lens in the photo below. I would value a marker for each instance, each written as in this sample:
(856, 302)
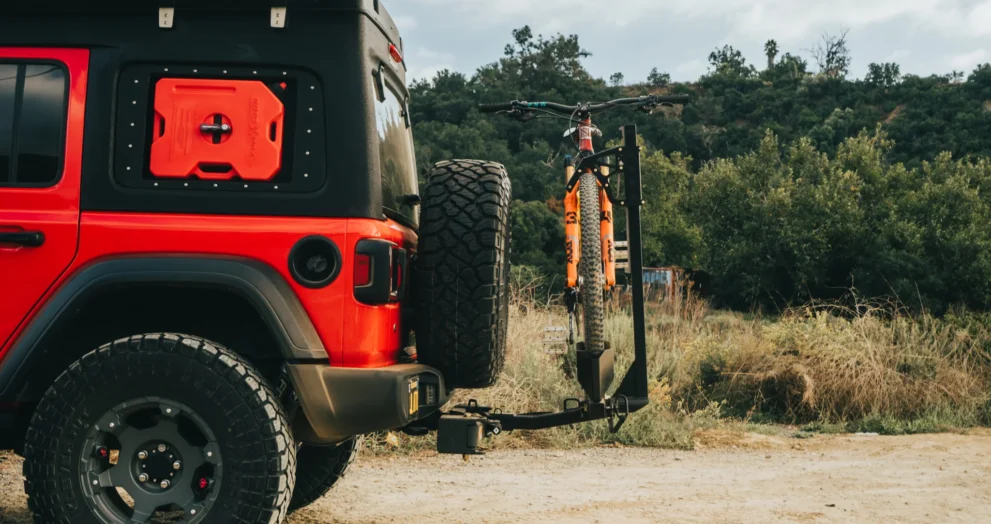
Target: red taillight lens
(396, 55)
(362, 270)
(379, 272)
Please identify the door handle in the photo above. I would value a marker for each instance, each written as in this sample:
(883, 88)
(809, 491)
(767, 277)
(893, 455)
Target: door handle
(23, 238)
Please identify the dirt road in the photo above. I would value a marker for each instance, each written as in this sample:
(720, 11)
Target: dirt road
(753, 478)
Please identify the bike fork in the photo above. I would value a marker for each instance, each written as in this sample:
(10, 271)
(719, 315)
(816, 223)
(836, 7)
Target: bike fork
(607, 235)
(572, 228)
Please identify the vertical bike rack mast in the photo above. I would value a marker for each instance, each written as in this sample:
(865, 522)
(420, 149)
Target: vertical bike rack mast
(635, 383)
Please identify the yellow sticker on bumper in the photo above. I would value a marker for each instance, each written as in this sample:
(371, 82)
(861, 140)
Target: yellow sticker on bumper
(414, 396)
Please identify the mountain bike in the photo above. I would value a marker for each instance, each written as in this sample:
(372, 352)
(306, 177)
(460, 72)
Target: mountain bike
(588, 206)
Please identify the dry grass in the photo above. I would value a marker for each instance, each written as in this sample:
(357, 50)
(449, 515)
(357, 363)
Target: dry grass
(829, 368)
(839, 365)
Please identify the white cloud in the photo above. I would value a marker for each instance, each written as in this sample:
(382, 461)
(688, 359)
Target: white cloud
(405, 24)
(898, 55)
(426, 63)
(792, 21)
(966, 61)
(979, 19)
(690, 69)
(785, 20)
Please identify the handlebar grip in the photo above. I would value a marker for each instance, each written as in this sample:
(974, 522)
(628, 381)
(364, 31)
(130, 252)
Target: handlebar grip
(494, 108)
(673, 99)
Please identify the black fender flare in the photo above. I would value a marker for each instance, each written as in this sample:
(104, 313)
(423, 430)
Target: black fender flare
(255, 281)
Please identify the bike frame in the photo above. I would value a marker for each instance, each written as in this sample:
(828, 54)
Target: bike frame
(572, 222)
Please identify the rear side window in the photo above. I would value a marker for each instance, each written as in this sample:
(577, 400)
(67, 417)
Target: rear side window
(33, 100)
(8, 85)
(398, 165)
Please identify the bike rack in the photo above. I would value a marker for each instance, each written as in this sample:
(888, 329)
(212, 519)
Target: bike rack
(461, 430)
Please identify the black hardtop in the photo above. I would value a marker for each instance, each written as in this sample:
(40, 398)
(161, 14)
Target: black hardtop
(374, 9)
(334, 50)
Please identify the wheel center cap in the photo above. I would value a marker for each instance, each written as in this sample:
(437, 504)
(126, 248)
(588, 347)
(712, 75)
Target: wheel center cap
(156, 465)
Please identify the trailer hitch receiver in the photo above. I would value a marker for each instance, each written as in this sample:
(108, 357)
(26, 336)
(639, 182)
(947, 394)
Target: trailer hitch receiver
(461, 431)
(463, 434)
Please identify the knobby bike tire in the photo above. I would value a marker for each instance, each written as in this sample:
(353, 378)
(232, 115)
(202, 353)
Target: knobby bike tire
(590, 266)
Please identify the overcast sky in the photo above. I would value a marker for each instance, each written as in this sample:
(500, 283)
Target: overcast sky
(632, 36)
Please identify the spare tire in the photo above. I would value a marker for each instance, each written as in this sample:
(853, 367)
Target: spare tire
(462, 286)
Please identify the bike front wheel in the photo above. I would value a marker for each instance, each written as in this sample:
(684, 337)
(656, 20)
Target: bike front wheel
(590, 266)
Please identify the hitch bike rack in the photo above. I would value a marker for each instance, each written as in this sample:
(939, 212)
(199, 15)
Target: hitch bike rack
(461, 430)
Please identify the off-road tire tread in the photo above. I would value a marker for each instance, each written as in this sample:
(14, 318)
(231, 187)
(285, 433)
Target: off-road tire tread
(47, 484)
(593, 280)
(319, 468)
(462, 297)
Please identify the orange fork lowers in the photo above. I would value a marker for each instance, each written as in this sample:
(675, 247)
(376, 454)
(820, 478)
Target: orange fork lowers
(607, 235)
(572, 229)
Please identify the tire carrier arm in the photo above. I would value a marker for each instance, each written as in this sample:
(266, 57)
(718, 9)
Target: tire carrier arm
(462, 430)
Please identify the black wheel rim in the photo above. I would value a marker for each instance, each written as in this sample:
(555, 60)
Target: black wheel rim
(150, 457)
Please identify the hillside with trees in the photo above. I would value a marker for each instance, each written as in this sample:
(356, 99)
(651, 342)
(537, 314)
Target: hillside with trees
(786, 183)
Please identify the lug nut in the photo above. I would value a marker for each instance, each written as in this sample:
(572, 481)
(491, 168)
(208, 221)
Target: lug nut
(177, 465)
(142, 478)
(162, 448)
(164, 484)
(142, 454)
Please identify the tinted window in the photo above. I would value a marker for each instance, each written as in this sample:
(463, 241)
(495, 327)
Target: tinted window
(39, 139)
(8, 85)
(396, 155)
(32, 123)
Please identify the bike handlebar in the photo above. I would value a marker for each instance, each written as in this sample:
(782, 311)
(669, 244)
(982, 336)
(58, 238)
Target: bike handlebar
(495, 108)
(643, 101)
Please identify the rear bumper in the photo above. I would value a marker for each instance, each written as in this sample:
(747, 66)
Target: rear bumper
(338, 403)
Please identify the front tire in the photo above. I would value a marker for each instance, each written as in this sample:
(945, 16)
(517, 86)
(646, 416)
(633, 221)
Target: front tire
(590, 270)
(194, 428)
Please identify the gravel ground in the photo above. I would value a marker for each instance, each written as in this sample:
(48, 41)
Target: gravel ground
(732, 478)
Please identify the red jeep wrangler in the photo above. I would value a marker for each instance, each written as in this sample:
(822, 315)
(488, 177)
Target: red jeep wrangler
(209, 235)
(214, 264)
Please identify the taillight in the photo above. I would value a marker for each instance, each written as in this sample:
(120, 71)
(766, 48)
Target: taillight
(394, 52)
(379, 272)
(362, 270)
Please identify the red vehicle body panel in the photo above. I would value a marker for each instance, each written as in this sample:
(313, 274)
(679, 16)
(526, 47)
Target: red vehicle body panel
(54, 211)
(354, 334)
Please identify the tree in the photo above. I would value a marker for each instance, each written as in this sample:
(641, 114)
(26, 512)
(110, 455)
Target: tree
(771, 50)
(657, 78)
(538, 63)
(538, 238)
(790, 67)
(776, 219)
(884, 75)
(728, 61)
(617, 79)
(832, 56)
